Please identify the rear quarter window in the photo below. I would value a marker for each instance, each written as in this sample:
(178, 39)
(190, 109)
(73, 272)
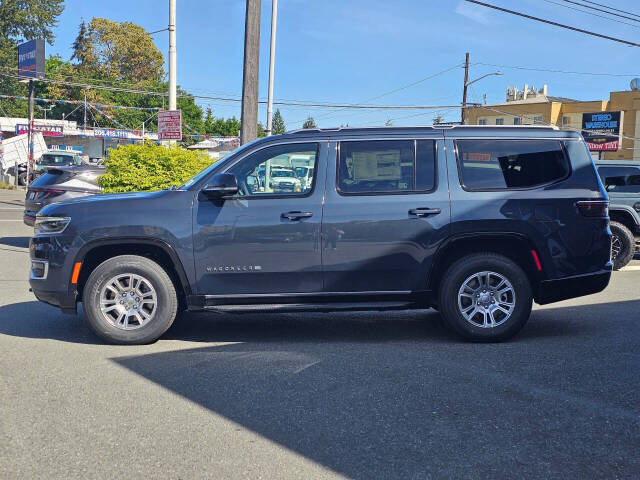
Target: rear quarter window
(621, 179)
(510, 164)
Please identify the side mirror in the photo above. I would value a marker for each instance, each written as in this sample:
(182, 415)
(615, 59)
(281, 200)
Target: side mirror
(221, 185)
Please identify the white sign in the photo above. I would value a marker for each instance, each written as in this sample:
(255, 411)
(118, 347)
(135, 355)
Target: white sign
(169, 125)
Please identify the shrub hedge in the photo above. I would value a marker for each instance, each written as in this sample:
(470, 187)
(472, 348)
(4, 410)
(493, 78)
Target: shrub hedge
(148, 167)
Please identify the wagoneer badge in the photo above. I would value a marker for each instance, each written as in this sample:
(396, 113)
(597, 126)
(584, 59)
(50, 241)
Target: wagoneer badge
(234, 268)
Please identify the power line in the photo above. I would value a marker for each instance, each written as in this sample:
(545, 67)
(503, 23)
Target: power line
(556, 24)
(601, 10)
(403, 87)
(537, 69)
(292, 104)
(611, 8)
(593, 14)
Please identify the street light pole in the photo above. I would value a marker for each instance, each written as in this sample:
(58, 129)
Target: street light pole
(272, 60)
(172, 54)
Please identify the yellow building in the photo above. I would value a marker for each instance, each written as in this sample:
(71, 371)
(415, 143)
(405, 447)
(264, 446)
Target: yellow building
(531, 107)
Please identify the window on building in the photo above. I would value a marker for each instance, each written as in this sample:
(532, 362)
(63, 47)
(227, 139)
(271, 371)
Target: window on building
(517, 121)
(386, 166)
(504, 164)
(537, 120)
(272, 171)
(499, 121)
(482, 121)
(566, 120)
(621, 179)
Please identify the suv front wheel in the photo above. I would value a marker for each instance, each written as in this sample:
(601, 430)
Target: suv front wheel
(129, 300)
(485, 297)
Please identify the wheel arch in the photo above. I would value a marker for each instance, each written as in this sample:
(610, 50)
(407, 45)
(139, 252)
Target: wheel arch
(94, 253)
(625, 216)
(517, 247)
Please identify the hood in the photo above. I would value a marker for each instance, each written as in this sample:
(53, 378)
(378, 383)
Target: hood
(94, 203)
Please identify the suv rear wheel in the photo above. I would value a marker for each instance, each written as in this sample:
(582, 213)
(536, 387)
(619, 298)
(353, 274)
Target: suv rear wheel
(485, 297)
(130, 300)
(623, 245)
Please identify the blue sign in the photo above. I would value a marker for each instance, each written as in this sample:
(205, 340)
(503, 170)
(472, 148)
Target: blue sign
(31, 60)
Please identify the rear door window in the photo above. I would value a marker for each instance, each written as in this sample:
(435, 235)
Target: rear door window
(510, 164)
(621, 179)
(386, 166)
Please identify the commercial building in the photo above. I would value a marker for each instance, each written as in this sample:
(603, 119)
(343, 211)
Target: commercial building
(66, 135)
(611, 127)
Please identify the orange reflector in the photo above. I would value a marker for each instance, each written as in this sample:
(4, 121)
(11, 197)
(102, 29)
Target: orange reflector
(76, 272)
(537, 260)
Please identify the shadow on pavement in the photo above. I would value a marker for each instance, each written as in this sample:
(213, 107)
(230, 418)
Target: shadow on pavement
(374, 398)
(395, 395)
(22, 242)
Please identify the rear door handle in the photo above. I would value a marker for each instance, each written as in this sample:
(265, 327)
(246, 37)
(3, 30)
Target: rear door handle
(424, 212)
(296, 215)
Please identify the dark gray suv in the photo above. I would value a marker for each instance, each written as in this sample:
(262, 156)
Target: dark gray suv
(477, 222)
(622, 182)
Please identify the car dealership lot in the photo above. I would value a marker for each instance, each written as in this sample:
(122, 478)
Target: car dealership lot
(356, 395)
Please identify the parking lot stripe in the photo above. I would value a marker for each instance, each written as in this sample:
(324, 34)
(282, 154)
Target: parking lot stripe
(631, 268)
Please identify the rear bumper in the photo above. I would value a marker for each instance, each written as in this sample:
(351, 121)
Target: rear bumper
(550, 291)
(29, 218)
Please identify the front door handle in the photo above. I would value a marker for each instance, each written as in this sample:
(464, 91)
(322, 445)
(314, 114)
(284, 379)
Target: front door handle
(424, 212)
(296, 215)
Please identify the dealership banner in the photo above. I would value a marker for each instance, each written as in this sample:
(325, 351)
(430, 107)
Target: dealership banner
(45, 130)
(601, 130)
(31, 60)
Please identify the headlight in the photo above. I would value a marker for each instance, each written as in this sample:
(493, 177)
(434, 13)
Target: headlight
(48, 225)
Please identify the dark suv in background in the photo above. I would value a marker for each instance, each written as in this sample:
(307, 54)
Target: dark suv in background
(622, 182)
(477, 222)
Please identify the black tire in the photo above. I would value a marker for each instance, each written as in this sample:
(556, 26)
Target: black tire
(463, 269)
(166, 298)
(22, 179)
(623, 237)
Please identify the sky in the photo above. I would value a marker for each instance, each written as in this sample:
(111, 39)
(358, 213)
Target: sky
(356, 51)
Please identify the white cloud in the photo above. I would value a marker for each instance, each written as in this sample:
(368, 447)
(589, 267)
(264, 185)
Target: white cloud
(473, 12)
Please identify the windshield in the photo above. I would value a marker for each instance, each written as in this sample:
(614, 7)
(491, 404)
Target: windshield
(301, 171)
(282, 173)
(52, 159)
(199, 176)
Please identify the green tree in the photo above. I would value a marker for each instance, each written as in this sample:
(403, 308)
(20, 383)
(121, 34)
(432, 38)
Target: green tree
(309, 123)
(438, 119)
(22, 20)
(388, 122)
(261, 132)
(120, 51)
(277, 123)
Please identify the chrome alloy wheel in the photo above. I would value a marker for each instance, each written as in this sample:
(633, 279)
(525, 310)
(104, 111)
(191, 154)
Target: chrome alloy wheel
(616, 246)
(486, 299)
(128, 301)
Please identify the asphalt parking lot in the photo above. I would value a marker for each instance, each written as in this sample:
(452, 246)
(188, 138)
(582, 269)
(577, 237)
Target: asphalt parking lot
(349, 395)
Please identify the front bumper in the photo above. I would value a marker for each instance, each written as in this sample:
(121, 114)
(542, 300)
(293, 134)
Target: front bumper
(556, 290)
(63, 300)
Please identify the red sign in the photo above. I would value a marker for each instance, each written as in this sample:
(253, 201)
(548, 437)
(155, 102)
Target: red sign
(169, 125)
(46, 130)
(605, 146)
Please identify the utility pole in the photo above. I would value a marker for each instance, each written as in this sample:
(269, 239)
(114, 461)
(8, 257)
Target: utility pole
(84, 125)
(30, 132)
(249, 118)
(466, 84)
(272, 61)
(172, 58)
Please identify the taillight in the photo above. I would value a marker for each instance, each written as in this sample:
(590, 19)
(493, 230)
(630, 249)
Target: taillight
(593, 208)
(50, 193)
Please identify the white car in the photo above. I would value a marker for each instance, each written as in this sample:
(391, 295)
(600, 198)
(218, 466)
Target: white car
(284, 179)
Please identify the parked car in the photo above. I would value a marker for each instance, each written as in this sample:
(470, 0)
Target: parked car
(59, 185)
(58, 158)
(284, 180)
(622, 182)
(477, 222)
